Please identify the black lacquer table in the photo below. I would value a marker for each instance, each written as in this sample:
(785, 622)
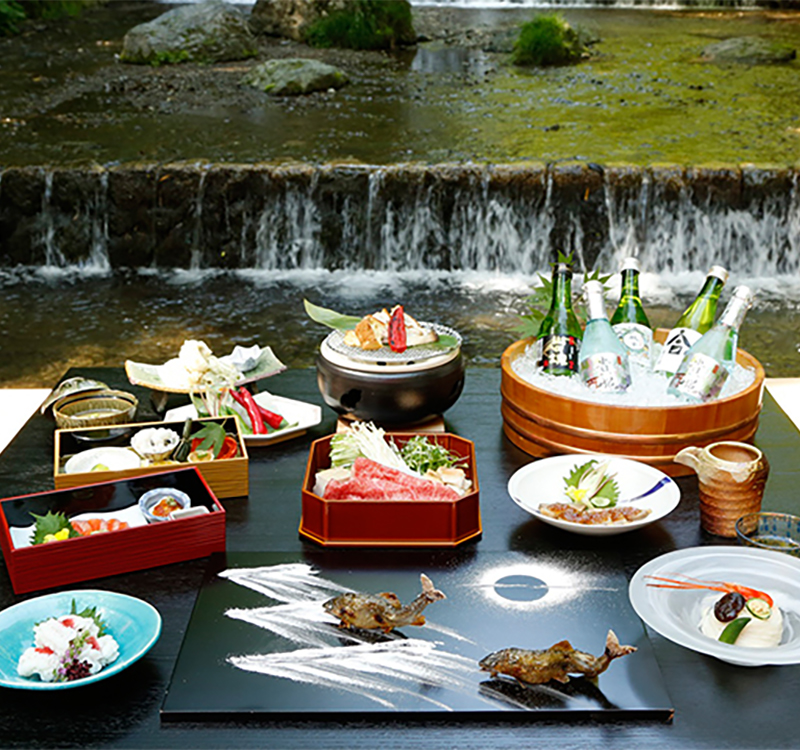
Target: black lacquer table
(715, 704)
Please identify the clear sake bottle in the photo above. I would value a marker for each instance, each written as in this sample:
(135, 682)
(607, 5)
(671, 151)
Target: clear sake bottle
(629, 320)
(559, 338)
(707, 365)
(603, 359)
(695, 321)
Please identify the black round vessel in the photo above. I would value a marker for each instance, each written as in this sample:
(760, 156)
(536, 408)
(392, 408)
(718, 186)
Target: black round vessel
(390, 394)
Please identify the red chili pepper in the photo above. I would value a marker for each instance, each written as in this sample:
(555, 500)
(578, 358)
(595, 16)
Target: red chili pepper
(255, 419)
(252, 411)
(397, 330)
(270, 417)
(229, 449)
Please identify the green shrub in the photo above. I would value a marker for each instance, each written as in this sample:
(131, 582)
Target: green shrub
(50, 9)
(547, 40)
(10, 14)
(365, 24)
(14, 11)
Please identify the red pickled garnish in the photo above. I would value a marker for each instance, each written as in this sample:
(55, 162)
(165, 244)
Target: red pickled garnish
(69, 622)
(397, 330)
(92, 641)
(43, 650)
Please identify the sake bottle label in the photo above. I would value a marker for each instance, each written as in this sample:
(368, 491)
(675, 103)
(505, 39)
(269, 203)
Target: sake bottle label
(637, 339)
(605, 371)
(679, 341)
(558, 353)
(702, 379)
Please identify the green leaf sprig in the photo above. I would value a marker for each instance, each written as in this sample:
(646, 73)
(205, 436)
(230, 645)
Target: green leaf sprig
(422, 455)
(212, 436)
(51, 523)
(90, 612)
(592, 486)
(538, 302)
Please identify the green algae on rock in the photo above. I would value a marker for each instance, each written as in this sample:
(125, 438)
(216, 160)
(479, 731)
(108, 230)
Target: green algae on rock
(213, 31)
(749, 50)
(294, 76)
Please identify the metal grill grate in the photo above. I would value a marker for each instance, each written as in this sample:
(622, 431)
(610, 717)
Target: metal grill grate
(386, 356)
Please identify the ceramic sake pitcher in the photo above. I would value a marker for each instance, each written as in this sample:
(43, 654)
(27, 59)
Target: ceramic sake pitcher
(731, 477)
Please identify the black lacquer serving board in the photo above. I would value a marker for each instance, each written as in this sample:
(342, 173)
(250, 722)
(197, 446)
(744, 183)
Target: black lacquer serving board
(494, 601)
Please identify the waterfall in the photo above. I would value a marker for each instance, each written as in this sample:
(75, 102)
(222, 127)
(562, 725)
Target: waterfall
(196, 260)
(52, 255)
(98, 259)
(289, 226)
(491, 219)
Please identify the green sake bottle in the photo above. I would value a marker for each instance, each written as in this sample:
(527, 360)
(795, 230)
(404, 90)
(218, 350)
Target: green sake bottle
(629, 320)
(695, 321)
(559, 338)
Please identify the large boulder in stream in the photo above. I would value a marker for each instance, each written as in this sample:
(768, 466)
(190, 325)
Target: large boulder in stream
(355, 24)
(294, 76)
(750, 50)
(207, 32)
(290, 18)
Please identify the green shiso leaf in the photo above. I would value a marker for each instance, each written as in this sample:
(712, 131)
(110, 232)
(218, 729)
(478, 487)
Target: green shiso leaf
(51, 523)
(581, 478)
(330, 318)
(90, 612)
(578, 472)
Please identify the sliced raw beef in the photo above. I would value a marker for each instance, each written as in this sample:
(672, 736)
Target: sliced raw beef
(373, 481)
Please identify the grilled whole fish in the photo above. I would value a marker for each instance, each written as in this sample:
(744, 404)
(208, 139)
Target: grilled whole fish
(384, 611)
(555, 663)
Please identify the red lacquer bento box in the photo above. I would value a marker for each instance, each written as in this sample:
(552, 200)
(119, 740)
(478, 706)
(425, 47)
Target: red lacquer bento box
(137, 547)
(391, 523)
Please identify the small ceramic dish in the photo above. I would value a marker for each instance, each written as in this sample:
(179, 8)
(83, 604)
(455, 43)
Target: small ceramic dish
(773, 531)
(158, 504)
(101, 460)
(155, 443)
(543, 481)
(95, 409)
(135, 624)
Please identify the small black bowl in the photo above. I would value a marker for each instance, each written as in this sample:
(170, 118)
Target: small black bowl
(393, 396)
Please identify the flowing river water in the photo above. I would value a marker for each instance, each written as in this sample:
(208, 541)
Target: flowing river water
(53, 319)
(66, 104)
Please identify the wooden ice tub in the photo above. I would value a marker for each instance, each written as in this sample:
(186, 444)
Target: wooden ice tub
(542, 423)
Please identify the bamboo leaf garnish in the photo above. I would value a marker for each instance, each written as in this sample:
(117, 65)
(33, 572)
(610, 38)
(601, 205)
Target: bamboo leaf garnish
(330, 318)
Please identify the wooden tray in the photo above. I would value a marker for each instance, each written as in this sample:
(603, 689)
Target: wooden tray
(227, 477)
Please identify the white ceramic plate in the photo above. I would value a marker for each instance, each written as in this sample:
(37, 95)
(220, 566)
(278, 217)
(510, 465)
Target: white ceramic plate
(676, 613)
(543, 482)
(134, 624)
(300, 415)
(116, 459)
